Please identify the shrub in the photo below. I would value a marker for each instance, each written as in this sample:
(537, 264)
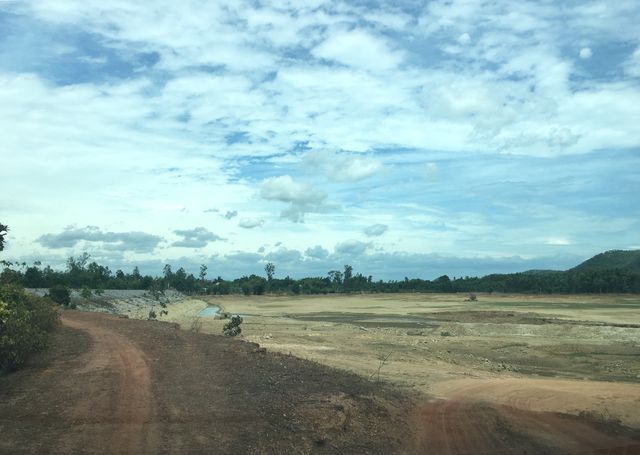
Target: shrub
(86, 293)
(60, 295)
(232, 328)
(25, 320)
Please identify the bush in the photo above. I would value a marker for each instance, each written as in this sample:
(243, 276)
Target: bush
(232, 328)
(25, 320)
(60, 295)
(86, 292)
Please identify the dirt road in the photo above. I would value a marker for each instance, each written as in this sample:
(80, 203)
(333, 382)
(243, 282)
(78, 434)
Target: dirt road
(521, 415)
(456, 427)
(119, 412)
(113, 385)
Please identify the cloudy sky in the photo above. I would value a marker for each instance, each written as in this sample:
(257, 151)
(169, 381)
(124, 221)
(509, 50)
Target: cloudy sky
(405, 138)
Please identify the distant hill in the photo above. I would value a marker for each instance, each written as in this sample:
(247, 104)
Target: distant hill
(614, 259)
(541, 272)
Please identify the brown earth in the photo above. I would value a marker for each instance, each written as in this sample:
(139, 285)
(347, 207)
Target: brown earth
(115, 385)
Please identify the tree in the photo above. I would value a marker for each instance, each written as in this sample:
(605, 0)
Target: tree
(348, 273)
(270, 268)
(203, 272)
(335, 276)
(168, 275)
(3, 231)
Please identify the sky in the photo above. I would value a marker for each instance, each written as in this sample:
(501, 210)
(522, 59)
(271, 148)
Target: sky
(404, 138)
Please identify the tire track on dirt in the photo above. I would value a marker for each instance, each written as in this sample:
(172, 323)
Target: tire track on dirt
(467, 422)
(118, 408)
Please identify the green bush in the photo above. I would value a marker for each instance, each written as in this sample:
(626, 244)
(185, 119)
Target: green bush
(60, 295)
(25, 320)
(232, 328)
(86, 293)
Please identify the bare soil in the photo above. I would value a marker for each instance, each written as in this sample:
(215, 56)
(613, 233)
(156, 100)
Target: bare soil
(115, 385)
(110, 384)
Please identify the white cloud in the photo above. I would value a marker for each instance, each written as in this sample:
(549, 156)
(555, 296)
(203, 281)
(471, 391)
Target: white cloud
(558, 241)
(343, 167)
(385, 102)
(464, 38)
(359, 49)
(302, 198)
(585, 53)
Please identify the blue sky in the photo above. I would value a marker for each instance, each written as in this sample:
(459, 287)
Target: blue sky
(404, 138)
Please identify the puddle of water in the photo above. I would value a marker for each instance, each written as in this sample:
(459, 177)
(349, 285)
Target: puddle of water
(209, 311)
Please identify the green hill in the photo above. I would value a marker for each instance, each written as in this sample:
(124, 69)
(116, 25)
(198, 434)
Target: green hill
(614, 259)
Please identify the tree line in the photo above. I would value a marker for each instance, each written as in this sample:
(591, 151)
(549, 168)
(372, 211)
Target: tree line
(81, 272)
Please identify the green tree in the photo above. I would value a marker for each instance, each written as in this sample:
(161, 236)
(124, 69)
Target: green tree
(168, 275)
(270, 268)
(203, 272)
(3, 232)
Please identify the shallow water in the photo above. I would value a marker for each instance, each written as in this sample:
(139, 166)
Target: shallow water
(212, 310)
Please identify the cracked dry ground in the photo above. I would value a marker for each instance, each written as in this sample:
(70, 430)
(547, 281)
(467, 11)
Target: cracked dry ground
(113, 385)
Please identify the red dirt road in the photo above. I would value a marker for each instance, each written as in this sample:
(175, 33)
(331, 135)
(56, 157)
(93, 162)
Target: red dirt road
(456, 427)
(116, 386)
(120, 410)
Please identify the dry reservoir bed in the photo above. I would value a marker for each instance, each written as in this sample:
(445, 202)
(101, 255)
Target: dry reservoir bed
(572, 354)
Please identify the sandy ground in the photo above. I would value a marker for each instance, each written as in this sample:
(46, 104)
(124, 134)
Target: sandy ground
(570, 354)
(530, 352)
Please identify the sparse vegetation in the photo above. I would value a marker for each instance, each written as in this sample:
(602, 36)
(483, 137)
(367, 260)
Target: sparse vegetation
(382, 361)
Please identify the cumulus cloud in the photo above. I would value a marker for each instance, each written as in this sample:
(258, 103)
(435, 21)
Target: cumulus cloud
(375, 230)
(231, 214)
(195, 238)
(317, 252)
(250, 223)
(139, 242)
(301, 197)
(284, 255)
(359, 49)
(351, 248)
